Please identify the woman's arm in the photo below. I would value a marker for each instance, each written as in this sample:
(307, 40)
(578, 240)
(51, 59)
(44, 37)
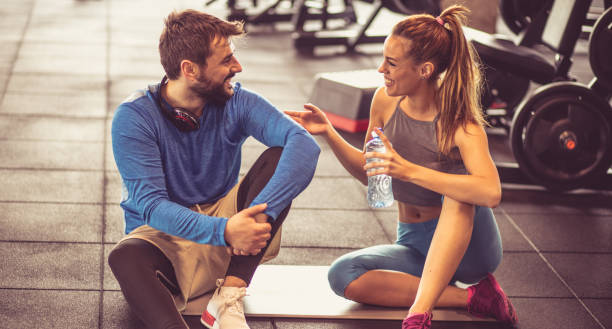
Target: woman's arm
(481, 186)
(316, 123)
(351, 158)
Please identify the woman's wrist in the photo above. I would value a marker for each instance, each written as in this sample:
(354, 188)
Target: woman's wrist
(329, 131)
(409, 171)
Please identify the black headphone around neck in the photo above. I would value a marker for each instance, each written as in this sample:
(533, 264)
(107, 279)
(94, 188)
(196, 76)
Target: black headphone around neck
(180, 117)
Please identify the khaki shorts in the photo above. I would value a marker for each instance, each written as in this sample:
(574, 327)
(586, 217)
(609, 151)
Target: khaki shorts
(198, 266)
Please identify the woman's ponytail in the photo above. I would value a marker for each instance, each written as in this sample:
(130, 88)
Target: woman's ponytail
(440, 40)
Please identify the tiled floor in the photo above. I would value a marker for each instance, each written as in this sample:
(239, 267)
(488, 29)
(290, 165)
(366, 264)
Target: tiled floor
(64, 67)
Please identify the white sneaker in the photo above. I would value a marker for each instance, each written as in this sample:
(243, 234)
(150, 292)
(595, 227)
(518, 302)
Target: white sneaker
(225, 309)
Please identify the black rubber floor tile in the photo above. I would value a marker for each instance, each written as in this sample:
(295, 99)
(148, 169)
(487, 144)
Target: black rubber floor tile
(588, 274)
(52, 129)
(49, 265)
(117, 314)
(109, 282)
(51, 155)
(49, 309)
(527, 275)
(41, 105)
(114, 223)
(332, 193)
(113, 188)
(332, 228)
(308, 256)
(51, 186)
(552, 313)
(50, 222)
(540, 201)
(601, 309)
(61, 83)
(512, 239)
(388, 219)
(567, 232)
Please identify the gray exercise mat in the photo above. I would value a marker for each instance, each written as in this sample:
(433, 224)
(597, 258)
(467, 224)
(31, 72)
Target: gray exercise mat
(289, 291)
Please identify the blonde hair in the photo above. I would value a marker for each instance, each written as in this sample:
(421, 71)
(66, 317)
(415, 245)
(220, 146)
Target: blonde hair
(440, 40)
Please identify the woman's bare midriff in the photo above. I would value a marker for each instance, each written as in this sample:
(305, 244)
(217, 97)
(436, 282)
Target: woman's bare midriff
(417, 214)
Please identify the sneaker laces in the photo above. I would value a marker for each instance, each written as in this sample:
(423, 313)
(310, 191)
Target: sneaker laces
(233, 300)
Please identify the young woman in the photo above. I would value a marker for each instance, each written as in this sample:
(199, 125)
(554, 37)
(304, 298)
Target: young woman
(444, 179)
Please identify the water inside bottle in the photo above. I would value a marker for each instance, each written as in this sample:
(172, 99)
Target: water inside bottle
(380, 194)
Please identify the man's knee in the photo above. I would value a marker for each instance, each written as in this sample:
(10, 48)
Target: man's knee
(271, 156)
(119, 256)
(273, 152)
(127, 255)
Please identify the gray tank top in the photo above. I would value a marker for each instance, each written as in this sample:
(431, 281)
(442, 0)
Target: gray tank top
(416, 142)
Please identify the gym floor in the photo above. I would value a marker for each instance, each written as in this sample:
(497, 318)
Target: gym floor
(64, 67)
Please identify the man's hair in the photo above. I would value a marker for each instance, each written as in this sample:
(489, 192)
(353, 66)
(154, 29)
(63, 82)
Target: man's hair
(189, 35)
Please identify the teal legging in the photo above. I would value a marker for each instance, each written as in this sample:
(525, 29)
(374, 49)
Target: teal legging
(407, 255)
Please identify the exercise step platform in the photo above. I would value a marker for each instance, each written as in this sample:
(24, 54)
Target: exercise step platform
(345, 97)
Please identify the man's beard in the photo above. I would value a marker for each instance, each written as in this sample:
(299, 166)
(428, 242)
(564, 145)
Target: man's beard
(213, 93)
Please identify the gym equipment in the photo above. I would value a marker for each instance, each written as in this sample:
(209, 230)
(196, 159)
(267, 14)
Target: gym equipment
(351, 111)
(351, 36)
(555, 26)
(285, 11)
(518, 14)
(600, 50)
(561, 136)
(502, 92)
(527, 19)
(270, 14)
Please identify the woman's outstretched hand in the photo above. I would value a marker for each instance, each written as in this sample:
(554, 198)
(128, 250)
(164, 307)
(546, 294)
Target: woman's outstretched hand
(313, 119)
(390, 162)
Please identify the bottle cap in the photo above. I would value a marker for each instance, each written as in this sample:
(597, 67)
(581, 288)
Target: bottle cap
(374, 134)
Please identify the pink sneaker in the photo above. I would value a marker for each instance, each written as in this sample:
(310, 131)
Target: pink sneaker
(417, 321)
(487, 299)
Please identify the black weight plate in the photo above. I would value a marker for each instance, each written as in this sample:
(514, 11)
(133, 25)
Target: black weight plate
(600, 49)
(545, 120)
(505, 87)
(517, 14)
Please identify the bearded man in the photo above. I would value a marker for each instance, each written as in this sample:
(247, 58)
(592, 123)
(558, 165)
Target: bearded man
(192, 227)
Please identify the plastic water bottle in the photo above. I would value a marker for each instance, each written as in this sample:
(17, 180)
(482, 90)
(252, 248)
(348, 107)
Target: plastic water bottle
(380, 194)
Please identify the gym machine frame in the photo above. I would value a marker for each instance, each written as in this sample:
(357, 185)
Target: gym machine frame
(305, 41)
(561, 136)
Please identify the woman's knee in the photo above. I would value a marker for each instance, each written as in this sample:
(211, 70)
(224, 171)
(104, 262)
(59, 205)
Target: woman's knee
(475, 268)
(342, 272)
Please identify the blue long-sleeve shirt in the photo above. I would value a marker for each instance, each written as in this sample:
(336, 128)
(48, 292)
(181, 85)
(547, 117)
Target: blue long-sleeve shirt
(164, 170)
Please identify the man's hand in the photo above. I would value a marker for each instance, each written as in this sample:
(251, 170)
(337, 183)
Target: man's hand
(248, 231)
